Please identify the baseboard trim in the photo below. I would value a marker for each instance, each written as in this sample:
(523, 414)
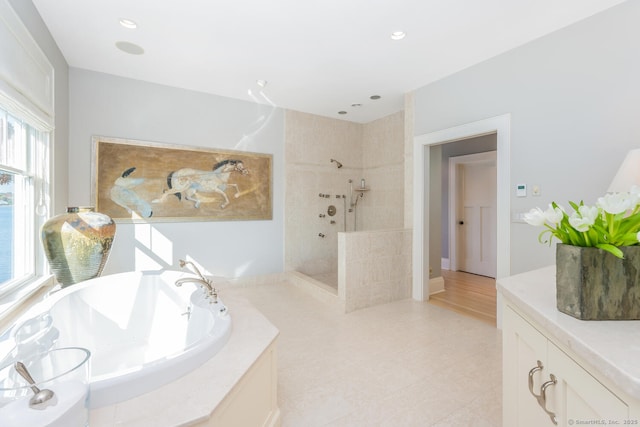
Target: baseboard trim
(436, 285)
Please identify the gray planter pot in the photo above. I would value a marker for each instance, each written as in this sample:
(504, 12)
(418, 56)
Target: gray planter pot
(592, 284)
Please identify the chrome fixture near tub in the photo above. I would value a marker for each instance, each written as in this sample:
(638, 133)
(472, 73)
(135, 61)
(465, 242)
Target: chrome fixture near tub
(206, 284)
(338, 164)
(40, 396)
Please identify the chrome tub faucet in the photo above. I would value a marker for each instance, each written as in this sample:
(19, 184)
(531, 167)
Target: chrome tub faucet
(206, 284)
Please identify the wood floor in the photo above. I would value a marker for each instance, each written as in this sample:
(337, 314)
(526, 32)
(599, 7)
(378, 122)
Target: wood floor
(468, 294)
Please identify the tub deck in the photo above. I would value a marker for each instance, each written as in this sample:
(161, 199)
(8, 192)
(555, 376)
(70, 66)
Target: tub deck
(241, 375)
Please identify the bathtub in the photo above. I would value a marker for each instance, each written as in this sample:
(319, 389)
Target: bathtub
(142, 330)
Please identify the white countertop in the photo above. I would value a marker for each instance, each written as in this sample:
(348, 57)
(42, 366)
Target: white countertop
(611, 347)
(193, 397)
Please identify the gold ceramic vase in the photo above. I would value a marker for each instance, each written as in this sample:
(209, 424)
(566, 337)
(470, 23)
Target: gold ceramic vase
(77, 244)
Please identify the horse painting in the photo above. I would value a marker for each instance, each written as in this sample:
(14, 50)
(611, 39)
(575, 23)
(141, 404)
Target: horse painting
(191, 182)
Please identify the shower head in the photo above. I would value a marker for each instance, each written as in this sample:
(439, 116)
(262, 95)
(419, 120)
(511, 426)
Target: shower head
(337, 163)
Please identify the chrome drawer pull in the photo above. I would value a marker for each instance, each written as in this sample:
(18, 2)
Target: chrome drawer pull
(531, 373)
(543, 398)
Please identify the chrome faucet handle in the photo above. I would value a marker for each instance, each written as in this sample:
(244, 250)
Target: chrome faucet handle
(207, 285)
(184, 264)
(212, 295)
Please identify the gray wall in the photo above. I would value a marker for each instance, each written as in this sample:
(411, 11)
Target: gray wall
(573, 98)
(32, 20)
(106, 105)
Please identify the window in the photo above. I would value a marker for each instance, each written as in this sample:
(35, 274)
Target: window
(27, 121)
(23, 200)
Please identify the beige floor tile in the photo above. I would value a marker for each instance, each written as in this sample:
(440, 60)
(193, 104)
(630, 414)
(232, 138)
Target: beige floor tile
(405, 363)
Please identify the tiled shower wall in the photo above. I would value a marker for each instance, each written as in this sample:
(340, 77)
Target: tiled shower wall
(383, 168)
(375, 267)
(374, 151)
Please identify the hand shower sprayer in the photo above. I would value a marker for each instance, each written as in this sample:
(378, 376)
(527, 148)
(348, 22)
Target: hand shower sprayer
(337, 163)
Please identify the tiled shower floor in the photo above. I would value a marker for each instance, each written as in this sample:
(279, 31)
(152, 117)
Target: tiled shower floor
(329, 279)
(405, 363)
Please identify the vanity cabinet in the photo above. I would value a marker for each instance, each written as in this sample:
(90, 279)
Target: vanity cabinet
(589, 370)
(544, 384)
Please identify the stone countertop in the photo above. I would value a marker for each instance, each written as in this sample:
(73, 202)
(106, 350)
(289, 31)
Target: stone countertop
(611, 347)
(193, 397)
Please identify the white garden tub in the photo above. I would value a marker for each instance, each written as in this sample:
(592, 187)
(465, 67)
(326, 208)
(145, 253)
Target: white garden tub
(141, 329)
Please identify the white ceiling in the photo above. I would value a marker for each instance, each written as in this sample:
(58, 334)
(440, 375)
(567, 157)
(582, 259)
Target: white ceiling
(317, 56)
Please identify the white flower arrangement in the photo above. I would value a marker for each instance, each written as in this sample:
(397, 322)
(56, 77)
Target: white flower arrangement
(613, 222)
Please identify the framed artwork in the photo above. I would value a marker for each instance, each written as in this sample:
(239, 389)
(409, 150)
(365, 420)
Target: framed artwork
(137, 181)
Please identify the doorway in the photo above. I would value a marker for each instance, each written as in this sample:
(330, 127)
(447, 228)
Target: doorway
(422, 261)
(472, 213)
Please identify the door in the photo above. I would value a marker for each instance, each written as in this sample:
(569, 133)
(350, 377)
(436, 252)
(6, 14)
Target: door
(476, 212)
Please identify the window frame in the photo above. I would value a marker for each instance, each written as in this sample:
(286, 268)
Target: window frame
(27, 92)
(36, 178)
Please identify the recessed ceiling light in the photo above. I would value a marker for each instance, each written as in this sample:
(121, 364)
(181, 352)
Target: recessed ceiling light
(128, 23)
(342, 112)
(374, 97)
(398, 35)
(131, 48)
(356, 105)
(261, 83)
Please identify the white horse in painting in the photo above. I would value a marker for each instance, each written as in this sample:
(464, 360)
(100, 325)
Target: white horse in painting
(190, 182)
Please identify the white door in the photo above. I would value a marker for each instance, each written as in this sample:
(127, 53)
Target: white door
(477, 215)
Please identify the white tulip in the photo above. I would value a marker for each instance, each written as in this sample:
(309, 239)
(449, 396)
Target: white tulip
(554, 215)
(584, 218)
(616, 203)
(535, 217)
(634, 194)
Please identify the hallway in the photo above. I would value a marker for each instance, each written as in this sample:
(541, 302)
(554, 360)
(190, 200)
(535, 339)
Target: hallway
(468, 294)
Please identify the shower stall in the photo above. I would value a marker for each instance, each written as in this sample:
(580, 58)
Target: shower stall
(331, 212)
(339, 262)
(329, 202)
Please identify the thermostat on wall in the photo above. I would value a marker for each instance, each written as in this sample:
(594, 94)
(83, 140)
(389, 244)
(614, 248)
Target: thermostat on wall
(521, 190)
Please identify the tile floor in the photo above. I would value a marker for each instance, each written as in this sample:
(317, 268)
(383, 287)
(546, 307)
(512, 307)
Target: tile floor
(405, 363)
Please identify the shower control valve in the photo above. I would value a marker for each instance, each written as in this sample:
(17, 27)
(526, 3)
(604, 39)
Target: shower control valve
(321, 235)
(322, 215)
